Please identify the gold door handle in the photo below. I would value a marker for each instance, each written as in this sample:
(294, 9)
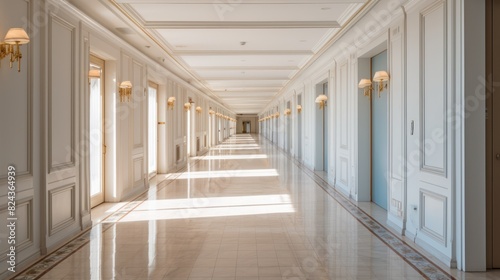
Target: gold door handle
(104, 149)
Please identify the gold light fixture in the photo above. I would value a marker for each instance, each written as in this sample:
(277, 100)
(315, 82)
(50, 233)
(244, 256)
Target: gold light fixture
(366, 85)
(171, 103)
(299, 108)
(14, 38)
(287, 112)
(199, 110)
(125, 90)
(211, 112)
(187, 106)
(381, 77)
(321, 100)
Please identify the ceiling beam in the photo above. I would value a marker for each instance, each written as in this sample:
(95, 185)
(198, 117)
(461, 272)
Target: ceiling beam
(239, 24)
(211, 2)
(250, 89)
(244, 78)
(242, 52)
(236, 68)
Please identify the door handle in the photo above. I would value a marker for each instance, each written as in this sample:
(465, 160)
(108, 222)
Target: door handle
(498, 156)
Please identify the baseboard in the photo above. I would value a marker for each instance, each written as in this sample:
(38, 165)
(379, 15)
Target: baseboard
(430, 250)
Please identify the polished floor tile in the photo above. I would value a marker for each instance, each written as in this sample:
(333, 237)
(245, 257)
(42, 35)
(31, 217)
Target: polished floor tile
(243, 211)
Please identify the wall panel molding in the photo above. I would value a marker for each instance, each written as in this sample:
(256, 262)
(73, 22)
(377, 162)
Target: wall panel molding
(434, 89)
(61, 83)
(343, 80)
(61, 208)
(433, 215)
(344, 170)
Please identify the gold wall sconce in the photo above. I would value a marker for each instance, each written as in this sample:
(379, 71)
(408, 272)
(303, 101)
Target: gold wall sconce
(187, 106)
(299, 108)
(14, 38)
(366, 85)
(380, 78)
(199, 110)
(125, 90)
(287, 112)
(171, 103)
(211, 112)
(321, 100)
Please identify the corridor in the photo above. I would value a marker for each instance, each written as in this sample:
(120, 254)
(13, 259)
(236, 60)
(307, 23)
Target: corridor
(245, 210)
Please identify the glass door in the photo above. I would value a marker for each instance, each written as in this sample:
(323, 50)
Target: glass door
(97, 148)
(152, 129)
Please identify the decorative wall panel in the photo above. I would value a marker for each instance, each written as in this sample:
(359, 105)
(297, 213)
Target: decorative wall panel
(61, 94)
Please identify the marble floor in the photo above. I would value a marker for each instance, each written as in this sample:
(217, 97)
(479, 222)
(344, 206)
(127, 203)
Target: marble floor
(245, 210)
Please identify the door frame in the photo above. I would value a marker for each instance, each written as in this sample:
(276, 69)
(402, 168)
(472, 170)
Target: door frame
(491, 62)
(373, 93)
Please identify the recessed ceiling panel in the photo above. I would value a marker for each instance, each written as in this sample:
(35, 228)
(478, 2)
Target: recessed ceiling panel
(221, 11)
(243, 60)
(252, 39)
(244, 74)
(244, 52)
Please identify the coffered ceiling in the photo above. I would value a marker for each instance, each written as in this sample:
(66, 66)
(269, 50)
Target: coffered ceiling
(240, 52)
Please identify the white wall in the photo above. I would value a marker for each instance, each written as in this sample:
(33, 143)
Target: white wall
(19, 140)
(45, 123)
(423, 39)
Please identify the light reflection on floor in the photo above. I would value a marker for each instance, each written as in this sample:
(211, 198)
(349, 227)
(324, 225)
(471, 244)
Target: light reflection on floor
(228, 227)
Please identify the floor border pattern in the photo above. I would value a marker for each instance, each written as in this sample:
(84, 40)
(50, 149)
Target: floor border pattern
(419, 262)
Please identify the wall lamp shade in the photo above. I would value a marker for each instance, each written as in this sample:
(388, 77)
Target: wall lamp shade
(171, 102)
(14, 38)
(17, 36)
(321, 100)
(287, 112)
(381, 77)
(366, 85)
(95, 73)
(199, 109)
(125, 90)
(363, 83)
(299, 108)
(187, 106)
